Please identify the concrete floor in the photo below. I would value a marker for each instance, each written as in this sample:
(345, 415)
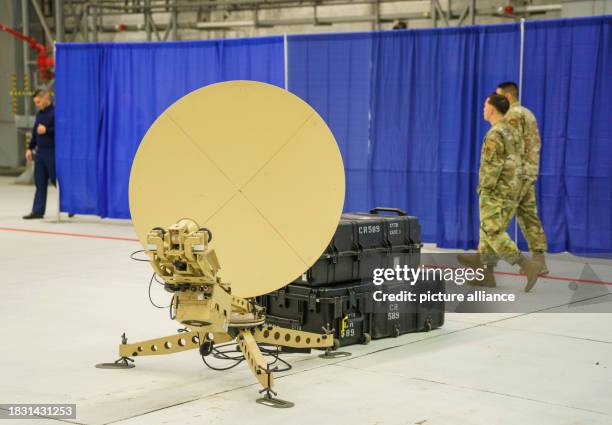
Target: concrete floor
(66, 299)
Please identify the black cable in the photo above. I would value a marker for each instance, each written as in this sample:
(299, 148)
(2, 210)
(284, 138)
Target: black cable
(223, 355)
(219, 352)
(147, 261)
(153, 277)
(276, 354)
(173, 307)
(151, 299)
(138, 259)
(236, 363)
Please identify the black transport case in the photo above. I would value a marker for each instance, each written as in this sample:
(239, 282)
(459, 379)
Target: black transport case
(341, 307)
(430, 314)
(394, 318)
(351, 311)
(363, 242)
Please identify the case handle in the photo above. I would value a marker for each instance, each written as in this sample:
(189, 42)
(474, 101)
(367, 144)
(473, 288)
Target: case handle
(393, 210)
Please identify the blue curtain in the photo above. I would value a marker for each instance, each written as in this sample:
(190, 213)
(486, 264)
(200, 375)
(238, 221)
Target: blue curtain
(78, 116)
(109, 94)
(568, 85)
(332, 73)
(428, 88)
(404, 106)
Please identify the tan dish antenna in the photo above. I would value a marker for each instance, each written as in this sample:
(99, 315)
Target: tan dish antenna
(254, 164)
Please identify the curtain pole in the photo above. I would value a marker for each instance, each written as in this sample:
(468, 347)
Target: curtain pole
(57, 186)
(520, 84)
(286, 60)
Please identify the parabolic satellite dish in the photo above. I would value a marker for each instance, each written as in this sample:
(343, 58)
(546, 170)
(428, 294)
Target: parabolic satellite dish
(254, 164)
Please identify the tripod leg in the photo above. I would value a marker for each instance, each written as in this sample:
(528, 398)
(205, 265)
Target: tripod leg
(261, 369)
(166, 345)
(254, 358)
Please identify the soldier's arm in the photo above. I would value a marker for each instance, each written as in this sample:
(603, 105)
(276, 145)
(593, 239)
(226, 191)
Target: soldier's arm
(515, 121)
(535, 145)
(491, 162)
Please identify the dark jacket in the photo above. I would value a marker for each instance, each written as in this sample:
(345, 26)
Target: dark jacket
(45, 117)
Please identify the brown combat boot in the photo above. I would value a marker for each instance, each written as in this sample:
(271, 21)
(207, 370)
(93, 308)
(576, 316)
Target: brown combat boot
(487, 282)
(470, 260)
(539, 258)
(532, 270)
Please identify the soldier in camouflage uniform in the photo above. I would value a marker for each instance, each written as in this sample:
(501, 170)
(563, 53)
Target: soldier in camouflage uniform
(525, 123)
(499, 189)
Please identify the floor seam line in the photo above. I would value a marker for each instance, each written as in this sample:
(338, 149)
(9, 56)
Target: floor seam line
(179, 404)
(408, 343)
(552, 334)
(544, 309)
(512, 396)
(479, 390)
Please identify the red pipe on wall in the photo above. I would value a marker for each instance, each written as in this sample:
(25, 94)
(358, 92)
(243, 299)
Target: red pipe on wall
(44, 62)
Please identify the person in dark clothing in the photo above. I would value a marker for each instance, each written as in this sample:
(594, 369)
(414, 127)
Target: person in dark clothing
(43, 140)
(399, 25)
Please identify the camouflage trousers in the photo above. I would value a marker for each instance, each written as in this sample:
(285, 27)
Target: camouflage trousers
(528, 220)
(495, 215)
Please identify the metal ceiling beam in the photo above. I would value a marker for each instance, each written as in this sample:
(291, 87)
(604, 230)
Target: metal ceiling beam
(432, 11)
(43, 22)
(59, 20)
(233, 3)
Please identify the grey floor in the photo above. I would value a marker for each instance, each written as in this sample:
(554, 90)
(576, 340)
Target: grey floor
(66, 299)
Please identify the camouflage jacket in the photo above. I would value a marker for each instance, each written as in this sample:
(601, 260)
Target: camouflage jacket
(525, 123)
(501, 169)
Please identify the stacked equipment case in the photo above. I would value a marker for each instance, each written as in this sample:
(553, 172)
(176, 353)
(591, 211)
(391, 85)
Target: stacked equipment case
(337, 291)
